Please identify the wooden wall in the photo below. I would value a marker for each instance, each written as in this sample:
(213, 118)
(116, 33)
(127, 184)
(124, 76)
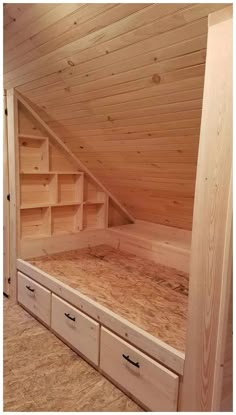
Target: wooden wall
(122, 85)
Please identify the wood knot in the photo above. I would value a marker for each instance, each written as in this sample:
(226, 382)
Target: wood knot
(156, 78)
(70, 63)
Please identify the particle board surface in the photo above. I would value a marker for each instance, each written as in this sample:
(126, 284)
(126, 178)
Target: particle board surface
(152, 296)
(41, 374)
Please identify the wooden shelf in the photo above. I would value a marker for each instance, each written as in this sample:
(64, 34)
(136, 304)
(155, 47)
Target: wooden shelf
(35, 222)
(93, 202)
(32, 206)
(55, 202)
(32, 137)
(38, 189)
(50, 172)
(66, 219)
(92, 192)
(94, 216)
(33, 154)
(70, 188)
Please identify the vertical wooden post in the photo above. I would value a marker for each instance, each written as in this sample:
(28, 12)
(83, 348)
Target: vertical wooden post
(6, 204)
(212, 224)
(12, 126)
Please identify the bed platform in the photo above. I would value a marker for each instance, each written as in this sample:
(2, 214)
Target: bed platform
(125, 314)
(151, 296)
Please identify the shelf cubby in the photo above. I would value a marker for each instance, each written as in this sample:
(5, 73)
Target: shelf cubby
(58, 161)
(33, 154)
(38, 189)
(70, 188)
(94, 216)
(55, 197)
(66, 219)
(92, 194)
(35, 222)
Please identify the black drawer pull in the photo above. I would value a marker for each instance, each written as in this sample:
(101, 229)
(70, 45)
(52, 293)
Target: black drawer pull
(29, 288)
(130, 361)
(68, 316)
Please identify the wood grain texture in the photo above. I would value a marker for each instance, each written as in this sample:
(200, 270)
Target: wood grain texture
(12, 131)
(149, 382)
(211, 253)
(82, 332)
(122, 85)
(226, 404)
(162, 244)
(6, 205)
(39, 371)
(156, 302)
(53, 201)
(34, 298)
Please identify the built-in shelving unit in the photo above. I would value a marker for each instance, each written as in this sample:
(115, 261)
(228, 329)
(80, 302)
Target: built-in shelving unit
(55, 199)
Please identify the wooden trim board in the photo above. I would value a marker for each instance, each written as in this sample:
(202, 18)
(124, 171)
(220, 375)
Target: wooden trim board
(152, 346)
(212, 222)
(59, 243)
(154, 242)
(12, 128)
(6, 206)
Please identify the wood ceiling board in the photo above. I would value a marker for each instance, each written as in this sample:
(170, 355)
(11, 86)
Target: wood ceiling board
(123, 90)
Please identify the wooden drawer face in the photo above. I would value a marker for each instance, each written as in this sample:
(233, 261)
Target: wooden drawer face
(34, 297)
(151, 383)
(75, 328)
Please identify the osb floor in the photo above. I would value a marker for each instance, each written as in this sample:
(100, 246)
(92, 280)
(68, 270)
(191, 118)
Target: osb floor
(150, 295)
(42, 374)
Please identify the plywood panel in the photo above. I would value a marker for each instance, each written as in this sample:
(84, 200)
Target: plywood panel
(104, 77)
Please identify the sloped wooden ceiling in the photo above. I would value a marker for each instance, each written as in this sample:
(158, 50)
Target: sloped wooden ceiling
(122, 85)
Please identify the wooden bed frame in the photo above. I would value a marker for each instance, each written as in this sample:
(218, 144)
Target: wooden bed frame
(170, 380)
(170, 360)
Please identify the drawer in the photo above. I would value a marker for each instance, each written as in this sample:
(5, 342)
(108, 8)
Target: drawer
(146, 380)
(75, 328)
(34, 298)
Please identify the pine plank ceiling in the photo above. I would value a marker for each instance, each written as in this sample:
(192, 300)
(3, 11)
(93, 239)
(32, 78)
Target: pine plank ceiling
(122, 85)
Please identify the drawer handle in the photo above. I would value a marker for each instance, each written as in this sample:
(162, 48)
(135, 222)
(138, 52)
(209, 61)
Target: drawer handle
(29, 288)
(68, 316)
(130, 361)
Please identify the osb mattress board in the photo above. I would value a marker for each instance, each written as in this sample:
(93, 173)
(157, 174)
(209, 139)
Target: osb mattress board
(151, 296)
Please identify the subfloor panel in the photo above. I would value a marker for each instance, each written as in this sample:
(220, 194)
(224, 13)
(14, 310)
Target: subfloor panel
(42, 374)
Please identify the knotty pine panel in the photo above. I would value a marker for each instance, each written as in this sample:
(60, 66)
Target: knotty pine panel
(122, 86)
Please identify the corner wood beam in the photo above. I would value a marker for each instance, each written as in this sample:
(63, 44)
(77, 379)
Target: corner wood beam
(211, 251)
(72, 156)
(12, 138)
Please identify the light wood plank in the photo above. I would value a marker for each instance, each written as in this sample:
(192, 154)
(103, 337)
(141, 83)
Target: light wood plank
(12, 129)
(211, 223)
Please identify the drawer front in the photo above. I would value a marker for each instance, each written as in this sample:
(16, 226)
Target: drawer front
(34, 298)
(75, 328)
(151, 383)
